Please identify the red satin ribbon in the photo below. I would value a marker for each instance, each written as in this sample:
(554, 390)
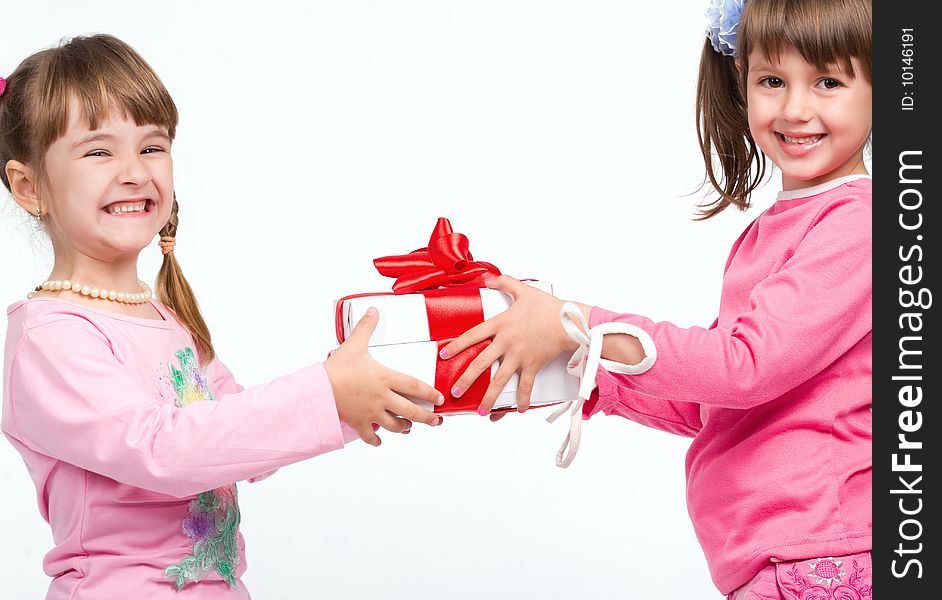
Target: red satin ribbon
(451, 312)
(446, 261)
(450, 279)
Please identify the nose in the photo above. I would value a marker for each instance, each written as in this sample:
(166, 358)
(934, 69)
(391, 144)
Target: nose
(799, 106)
(133, 171)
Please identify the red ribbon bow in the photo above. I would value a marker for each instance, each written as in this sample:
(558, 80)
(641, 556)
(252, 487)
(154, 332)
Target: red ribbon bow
(449, 278)
(445, 262)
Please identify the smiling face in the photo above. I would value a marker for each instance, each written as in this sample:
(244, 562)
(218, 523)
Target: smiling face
(109, 190)
(812, 124)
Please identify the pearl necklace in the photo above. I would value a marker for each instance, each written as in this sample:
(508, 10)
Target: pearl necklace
(55, 285)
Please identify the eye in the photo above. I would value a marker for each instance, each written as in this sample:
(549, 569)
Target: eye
(771, 82)
(152, 150)
(98, 153)
(829, 83)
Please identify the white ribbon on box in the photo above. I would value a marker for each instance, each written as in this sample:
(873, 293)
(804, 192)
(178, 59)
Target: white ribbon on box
(585, 363)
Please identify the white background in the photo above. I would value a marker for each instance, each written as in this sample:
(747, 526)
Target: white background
(559, 136)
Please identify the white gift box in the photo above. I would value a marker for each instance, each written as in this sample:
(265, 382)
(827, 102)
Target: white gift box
(552, 385)
(401, 341)
(403, 318)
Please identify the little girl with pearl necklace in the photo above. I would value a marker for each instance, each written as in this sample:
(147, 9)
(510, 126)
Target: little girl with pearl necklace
(133, 431)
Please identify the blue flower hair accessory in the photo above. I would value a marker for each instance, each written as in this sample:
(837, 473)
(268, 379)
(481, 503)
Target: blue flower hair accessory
(722, 23)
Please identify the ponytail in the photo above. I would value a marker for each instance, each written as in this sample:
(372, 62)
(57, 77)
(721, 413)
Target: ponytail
(174, 291)
(723, 131)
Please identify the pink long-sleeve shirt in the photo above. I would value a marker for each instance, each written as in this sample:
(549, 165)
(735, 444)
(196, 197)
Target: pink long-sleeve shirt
(776, 393)
(133, 448)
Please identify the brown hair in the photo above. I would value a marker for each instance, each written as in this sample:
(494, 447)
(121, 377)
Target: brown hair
(102, 74)
(823, 32)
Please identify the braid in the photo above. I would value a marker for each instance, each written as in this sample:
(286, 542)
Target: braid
(174, 291)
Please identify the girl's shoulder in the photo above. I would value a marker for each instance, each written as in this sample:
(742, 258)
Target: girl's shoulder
(850, 198)
(851, 201)
(51, 327)
(852, 186)
(44, 311)
(859, 191)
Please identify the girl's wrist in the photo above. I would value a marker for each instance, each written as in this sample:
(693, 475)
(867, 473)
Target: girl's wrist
(570, 344)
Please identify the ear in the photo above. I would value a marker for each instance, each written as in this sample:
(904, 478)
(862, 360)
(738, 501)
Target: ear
(23, 185)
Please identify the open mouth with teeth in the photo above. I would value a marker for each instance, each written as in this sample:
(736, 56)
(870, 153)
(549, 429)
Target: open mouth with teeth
(129, 207)
(805, 140)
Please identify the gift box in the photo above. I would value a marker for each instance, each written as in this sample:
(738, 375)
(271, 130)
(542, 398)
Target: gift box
(404, 318)
(437, 296)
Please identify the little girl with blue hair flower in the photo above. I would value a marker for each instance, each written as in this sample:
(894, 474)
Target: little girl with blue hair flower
(776, 393)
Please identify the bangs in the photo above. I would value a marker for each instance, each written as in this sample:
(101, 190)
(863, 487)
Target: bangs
(823, 32)
(103, 75)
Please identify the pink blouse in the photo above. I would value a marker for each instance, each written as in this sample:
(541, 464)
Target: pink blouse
(134, 448)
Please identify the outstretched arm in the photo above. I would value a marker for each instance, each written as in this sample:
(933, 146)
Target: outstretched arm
(790, 329)
(78, 403)
(530, 334)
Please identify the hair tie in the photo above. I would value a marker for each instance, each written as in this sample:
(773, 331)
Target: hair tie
(3, 85)
(167, 243)
(722, 23)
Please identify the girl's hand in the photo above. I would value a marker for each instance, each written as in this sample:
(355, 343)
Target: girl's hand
(524, 338)
(366, 392)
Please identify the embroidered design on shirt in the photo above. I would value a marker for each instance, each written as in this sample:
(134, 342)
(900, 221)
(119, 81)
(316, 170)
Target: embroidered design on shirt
(829, 585)
(212, 521)
(213, 524)
(188, 381)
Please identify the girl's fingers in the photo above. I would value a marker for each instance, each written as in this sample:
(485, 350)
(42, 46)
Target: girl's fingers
(360, 336)
(489, 328)
(366, 433)
(525, 389)
(413, 388)
(478, 333)
(506, 284)
(478, 365)
(391, 422)
(498, 381)
(399, 406)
